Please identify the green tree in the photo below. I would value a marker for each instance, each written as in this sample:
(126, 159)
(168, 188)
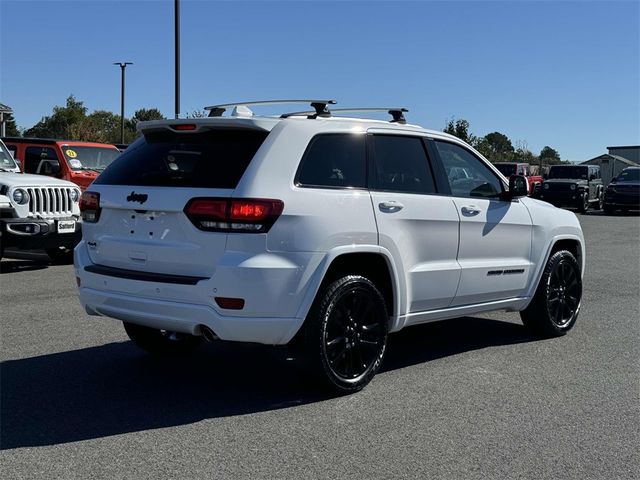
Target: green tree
(100, 126)
(460, 128)
(62, 122)
(141, 115)
(550, 156)
(11, 129)
(496, 147)
(524, 155)
(146, 114)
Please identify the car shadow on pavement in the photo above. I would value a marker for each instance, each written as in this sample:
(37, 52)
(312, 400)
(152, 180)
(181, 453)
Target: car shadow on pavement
(23, 266)
(17, 261)
(115, 388)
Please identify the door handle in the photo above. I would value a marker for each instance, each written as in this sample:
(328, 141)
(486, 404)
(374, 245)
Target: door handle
(470, 210)
(390, 206)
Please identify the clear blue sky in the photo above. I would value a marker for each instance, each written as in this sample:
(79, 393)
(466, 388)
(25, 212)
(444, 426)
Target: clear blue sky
(564, 74)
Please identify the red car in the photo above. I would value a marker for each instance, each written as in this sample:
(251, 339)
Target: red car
(77, 162)
(515, 168)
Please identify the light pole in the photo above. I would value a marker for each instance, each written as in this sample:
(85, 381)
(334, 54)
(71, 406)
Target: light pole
(176, 16)
(122, 66)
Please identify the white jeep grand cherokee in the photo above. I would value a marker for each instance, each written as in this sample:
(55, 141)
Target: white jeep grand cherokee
(320, 231)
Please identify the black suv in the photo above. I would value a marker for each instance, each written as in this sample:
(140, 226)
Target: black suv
(623, 192)
(573, 186)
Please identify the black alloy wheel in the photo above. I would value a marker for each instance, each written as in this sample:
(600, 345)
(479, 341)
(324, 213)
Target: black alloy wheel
(563, 293)
(555, 306)
(346, 333)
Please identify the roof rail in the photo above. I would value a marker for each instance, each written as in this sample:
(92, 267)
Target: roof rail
(320, 106)
(397, 113)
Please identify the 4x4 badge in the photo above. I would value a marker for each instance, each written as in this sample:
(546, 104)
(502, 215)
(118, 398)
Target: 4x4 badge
(137, 197)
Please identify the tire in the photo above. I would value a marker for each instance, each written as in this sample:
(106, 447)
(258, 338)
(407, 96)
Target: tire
(556, 303)
(161, 342)
(61, 255)
(345, 336)
(584, 205)
(600, 202)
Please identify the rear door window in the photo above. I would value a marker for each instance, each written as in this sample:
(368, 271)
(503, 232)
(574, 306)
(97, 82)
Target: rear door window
(209, 159)
(402, 165)
(334, 160)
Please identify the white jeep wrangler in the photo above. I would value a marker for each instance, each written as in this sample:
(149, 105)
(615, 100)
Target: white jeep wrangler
(316, 230)
(37, 212)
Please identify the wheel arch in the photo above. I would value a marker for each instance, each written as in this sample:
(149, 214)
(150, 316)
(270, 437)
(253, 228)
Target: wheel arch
(570, 242)
(372, 262)
(572, 245)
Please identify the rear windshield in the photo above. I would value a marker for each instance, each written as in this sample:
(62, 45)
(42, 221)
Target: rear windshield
(89, 158)
(210, 159)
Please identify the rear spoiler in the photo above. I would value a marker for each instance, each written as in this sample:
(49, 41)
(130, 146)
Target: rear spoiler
(196, 125)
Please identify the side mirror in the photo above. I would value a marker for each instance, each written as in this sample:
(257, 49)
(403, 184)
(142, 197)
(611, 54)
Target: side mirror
(517, 186)
(49, 167)
(545, 176)
(614, 179)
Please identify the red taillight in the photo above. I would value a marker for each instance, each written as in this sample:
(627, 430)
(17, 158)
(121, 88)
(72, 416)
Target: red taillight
(184, 126)
(90, 206)
(208, 208)
(225, 215)
(249, 210)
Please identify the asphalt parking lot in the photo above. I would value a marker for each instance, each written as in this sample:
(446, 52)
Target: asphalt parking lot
(468, 398)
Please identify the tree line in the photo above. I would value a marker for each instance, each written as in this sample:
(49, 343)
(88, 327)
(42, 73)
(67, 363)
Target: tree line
(497, 147)
(73, 122)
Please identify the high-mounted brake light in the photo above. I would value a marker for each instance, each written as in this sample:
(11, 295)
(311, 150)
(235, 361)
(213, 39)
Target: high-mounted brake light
(227, 215)
(90, 207)
(184, 126)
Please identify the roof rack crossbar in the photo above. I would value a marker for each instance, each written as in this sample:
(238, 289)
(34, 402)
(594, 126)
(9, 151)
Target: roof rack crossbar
(320, 106)
(397, 113)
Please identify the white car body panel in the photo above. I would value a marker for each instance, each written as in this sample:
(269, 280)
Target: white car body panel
(423, 234)
(487, 247)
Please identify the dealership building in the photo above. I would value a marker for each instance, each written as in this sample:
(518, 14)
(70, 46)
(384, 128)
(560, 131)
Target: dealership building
(618, 158)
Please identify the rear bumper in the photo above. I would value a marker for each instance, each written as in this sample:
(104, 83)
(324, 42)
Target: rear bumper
(272, 285)
(37, 233)
(187, 318)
